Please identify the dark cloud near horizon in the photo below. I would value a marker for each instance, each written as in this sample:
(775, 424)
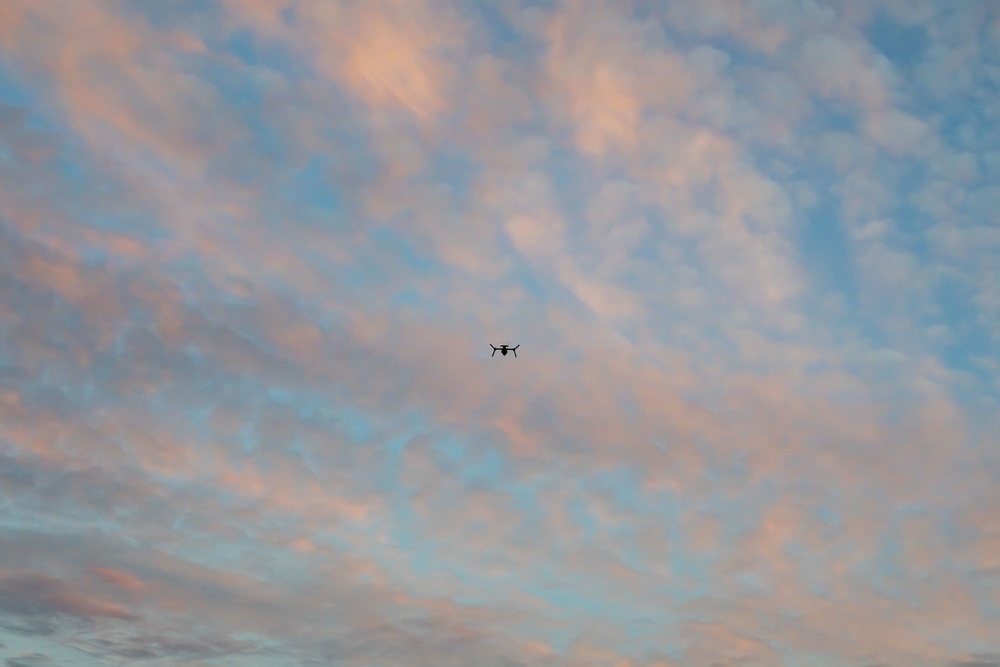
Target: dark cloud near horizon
(32, 595)
(32, 660)
(979, 660)
(33, 604)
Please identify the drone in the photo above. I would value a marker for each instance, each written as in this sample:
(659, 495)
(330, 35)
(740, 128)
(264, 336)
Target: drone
(504, 349)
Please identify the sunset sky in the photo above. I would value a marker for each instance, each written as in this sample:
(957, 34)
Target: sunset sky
(253, 255)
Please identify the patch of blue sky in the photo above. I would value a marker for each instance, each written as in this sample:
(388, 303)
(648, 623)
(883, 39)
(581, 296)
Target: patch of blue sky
(13, 93)
(188, 273)
(94, 256)
(621, 484)
(346, 423)
(826, 251)
(534, 282)
(963, 126)
(741, 513)
(597, 602)
(313, 186)
(245, 94)
(578, 510)
(393, 449)
(968, 339)
(828, 256)
(692, 572)
(125, 220)
(200, 418)
(970, 343)
(833, 116)
(364, 274)
(318, 409)
(910, 220)
(476, 463)
(405, 534)
(24, 107)
(560, 589)
(904, 45)
(503, 38)
(80, 175)
(244, 45)
(652, 254)
(837, 118)
(572, 187)
(410, 540)
(359, 427)
(887, 572)
(406, 298)
(524, 500)
(404, 250)
(177, 14)
(249, 437)
(453, 169)
(829, 515)
(30, 518)
(751, 581)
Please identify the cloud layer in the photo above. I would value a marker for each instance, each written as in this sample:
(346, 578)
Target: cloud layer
(253, 255)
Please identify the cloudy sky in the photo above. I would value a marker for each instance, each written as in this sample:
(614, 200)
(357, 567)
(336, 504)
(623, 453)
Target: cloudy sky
(253, 254)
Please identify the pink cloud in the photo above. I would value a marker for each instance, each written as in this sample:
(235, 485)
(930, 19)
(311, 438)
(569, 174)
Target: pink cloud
(40, 595)
(760, 25)
(605, 71)
(391, 61)
(120, 579)
(139, 412)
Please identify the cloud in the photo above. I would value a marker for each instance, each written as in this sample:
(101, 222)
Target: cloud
(392, 60)
(979, 660)
(839, 69)
(252, 257)
(120, 578)
(36, 595)
(597, 59)
(32, 660)
(764, 27)
(898, 132)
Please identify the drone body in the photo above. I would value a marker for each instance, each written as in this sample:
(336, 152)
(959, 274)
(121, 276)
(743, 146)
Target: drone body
(504, 349)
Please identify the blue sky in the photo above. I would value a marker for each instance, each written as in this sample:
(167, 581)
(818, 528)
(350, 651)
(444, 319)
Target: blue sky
(253, 254)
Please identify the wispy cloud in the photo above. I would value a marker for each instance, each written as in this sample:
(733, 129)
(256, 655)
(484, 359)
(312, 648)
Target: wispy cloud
(253, 254)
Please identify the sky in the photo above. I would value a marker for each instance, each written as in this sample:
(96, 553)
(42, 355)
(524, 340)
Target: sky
(254, 253)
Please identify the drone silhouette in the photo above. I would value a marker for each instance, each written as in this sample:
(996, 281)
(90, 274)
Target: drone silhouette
(504, 349)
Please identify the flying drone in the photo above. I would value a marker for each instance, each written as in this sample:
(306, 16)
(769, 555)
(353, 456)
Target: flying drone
(504, 349)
